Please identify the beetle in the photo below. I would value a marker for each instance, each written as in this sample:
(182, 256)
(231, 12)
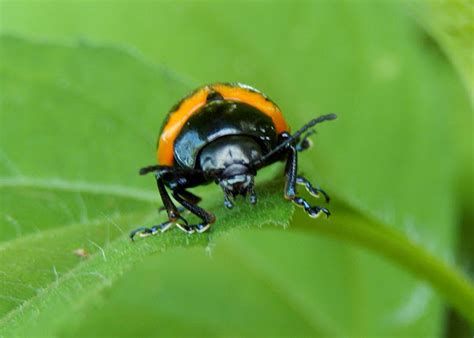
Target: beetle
(225, 133)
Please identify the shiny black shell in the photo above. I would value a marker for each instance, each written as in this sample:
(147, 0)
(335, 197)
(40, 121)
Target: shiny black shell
(218, 119)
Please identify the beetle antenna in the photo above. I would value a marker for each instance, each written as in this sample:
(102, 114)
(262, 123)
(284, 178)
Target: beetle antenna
(149, 169)
(295, 136)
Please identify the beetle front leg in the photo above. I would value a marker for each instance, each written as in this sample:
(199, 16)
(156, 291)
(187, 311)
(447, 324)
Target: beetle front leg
(187, 195)
(290, 187)
(206, 217)
(173, 214)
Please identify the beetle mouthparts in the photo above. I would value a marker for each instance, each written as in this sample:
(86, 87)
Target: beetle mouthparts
(235, 170)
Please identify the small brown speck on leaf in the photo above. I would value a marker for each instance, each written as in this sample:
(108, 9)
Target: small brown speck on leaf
(81, 252)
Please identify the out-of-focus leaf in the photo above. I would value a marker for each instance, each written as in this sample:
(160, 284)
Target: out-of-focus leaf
(451, 24)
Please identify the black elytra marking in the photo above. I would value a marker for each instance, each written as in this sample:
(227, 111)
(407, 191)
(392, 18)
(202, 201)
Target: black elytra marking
(214, 96)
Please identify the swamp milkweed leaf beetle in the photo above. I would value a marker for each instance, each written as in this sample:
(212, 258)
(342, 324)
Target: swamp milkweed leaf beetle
(225, 133)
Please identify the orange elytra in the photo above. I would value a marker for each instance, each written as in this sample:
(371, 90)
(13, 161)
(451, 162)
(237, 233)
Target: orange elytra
(191, 104)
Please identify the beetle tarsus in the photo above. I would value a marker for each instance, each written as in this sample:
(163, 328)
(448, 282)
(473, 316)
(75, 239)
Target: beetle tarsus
(228, 203)
(202, 227)
(136, 231)
(190, 229)
(186, 228)
(312, 211)
(165, 226)
(145, 232)
(312, 190)
(253, 196)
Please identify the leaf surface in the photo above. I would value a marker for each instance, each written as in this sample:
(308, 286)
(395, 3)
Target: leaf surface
(82, 118)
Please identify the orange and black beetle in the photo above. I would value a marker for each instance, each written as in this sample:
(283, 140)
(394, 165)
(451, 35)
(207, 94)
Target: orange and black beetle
(225, 133)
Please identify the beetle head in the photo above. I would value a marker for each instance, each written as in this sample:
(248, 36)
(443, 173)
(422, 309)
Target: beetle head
(237, 180)
(232, 157)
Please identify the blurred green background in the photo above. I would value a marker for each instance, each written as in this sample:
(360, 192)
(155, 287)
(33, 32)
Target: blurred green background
(84, 87)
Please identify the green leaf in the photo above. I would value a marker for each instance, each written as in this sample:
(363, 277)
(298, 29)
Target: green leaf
(69, 146)
(451, 24)
(288, 302)
(386, 155)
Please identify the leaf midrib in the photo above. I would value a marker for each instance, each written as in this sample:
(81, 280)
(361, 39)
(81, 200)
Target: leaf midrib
(60, 184)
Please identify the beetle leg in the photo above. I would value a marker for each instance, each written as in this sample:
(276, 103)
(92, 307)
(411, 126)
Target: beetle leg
(145, 232)
(166, 173)
(252, 193)
(312, 190)
(207, 217)
(173, 214)
(180, 209)
(189, 196)
(228, 200)
(290, 173)
(290, 186)
(312, 211)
